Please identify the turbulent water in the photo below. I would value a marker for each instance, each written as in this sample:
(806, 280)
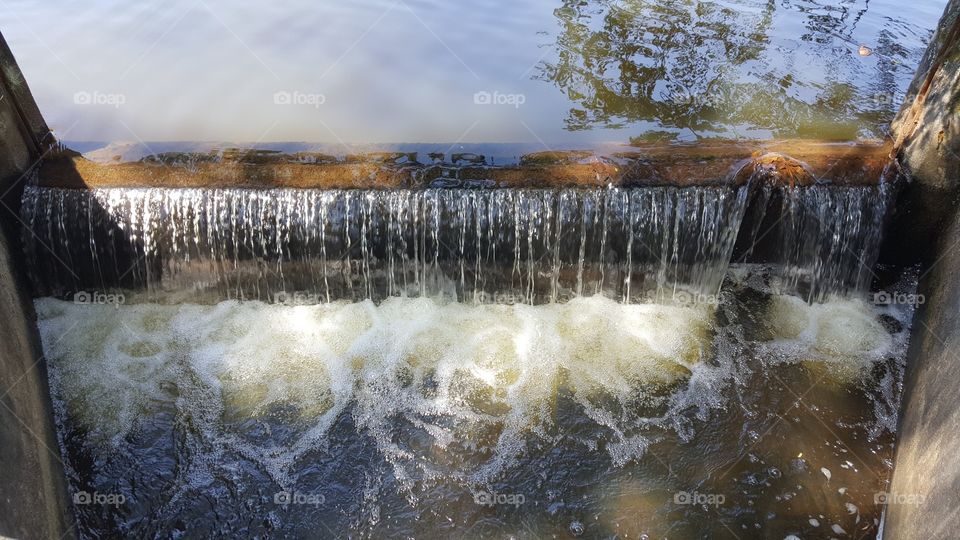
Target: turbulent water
(428, 417)
(469, 362)
(482, 246)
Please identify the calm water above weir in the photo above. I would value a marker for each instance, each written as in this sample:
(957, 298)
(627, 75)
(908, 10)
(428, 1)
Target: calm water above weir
(565, 74)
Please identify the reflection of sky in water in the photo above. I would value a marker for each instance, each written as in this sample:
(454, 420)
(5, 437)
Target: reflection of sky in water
(408, 70)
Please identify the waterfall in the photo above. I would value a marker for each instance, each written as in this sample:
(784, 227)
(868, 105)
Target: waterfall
(831, 239)
(651, 244)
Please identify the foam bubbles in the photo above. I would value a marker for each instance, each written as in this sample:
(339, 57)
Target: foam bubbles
(844, 335)
(487, 373)
(443, 389)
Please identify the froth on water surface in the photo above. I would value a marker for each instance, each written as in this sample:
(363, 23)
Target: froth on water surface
(423, 417)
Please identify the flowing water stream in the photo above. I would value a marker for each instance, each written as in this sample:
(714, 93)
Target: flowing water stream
(415, 417)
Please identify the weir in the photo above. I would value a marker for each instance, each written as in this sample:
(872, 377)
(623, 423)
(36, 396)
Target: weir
(655, 244)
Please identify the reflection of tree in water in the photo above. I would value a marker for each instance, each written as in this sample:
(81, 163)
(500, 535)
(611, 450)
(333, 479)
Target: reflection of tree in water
(716, 69)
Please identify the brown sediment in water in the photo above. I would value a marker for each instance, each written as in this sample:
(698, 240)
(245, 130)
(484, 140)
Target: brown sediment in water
(788, 162)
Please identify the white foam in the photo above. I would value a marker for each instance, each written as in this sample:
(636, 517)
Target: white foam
(488, 374)
(844, 335)
(477, 381)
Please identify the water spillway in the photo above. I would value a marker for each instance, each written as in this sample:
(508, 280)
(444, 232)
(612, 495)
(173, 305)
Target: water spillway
(434, 350)
(377, 349)
(652, 244)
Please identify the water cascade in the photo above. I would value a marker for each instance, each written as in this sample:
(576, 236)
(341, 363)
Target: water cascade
(830, 238)
(629, 323)
(535, 246)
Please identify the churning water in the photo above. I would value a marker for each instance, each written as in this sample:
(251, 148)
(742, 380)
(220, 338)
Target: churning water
(417, 417)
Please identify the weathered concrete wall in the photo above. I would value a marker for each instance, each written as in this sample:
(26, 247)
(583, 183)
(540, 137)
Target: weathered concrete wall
(925, 492)
(924, 500)
(927, 142)
(33, 495)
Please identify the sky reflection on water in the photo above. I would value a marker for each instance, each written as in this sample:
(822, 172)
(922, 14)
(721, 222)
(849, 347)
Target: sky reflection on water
(547, 73)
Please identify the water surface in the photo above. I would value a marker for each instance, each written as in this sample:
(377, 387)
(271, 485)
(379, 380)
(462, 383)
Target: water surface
(566, 74)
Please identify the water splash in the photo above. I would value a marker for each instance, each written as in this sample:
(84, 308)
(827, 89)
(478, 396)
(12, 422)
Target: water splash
(441, 397)
(458, 373)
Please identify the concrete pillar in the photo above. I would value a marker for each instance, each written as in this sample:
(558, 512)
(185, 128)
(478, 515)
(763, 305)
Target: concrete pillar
(924, 496)
(33, 494)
